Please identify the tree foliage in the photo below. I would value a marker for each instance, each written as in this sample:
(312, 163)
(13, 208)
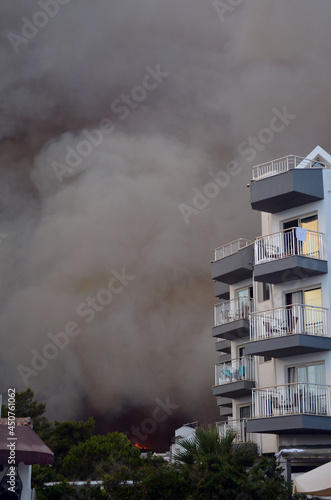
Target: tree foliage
(26, 406)
(224, 470)
(88, 459)
(206, 468)
(64, 435)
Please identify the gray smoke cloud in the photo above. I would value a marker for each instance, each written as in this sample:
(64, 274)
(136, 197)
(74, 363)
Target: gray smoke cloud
(74, 219)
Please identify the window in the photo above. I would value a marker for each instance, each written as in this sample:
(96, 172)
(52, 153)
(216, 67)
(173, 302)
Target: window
(244, 296)
(311, 374)
(306, 392)
(308, 317)
(265, 291)
(245, 411)
(310, 223)
(307, 243)
(241, 351)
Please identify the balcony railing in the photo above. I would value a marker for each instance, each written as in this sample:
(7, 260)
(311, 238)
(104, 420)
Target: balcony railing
(284, 164)
(232, 310)
(291, 399)
(294, 241)
(287, 320)
(237, 426)
(231, 248)
(235, 370)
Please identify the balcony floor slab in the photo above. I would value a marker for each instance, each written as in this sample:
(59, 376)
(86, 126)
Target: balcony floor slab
(233, 330)
(224, 402)
(288, 269)
(287, 190)
(291, 424)
(223, 346)
(235, 267)
(288, 345)
(234, 389)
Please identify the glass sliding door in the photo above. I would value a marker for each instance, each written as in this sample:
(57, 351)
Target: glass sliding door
(306, 388)
(243, 298)
(310, 246)
(313, 317)
(297, 242)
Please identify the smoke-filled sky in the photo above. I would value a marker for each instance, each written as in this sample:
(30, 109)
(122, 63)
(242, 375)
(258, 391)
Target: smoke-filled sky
(114, 115)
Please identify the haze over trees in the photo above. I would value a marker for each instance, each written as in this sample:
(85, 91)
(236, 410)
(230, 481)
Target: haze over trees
(207, 467)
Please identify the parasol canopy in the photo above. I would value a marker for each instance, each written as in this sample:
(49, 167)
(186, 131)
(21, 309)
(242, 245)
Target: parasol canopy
(314, 482)
(29, 448)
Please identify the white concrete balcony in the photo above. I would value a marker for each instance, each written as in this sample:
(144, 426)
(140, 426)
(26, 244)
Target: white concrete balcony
(233, 262)
(239, 427)
(289, 254)
(234, 370)
(231, 248)
(294, 241)
(232, 310)
(288, 320)
(293, 398)
(235, 378)
(298, 408)
(288, 182)
(288, 331)
(231, 318)
(284, 164)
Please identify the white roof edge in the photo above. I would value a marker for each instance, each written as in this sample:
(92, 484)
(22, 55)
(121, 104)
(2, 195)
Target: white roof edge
(318, 151)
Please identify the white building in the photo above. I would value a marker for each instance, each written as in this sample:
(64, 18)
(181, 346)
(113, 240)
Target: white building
(273, 320)
(185, 432)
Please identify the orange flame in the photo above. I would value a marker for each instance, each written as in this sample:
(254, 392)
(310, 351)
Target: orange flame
(140, 447)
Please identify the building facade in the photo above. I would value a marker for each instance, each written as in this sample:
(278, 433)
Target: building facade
(272, 323)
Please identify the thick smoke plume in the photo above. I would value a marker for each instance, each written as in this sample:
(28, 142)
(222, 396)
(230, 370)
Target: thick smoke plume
(74, 220)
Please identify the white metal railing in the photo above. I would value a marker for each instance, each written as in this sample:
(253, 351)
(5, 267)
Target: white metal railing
(235, 370)
(293, 241)
(289, 399)
(284, 164)
(232, 310)
(231, 248)
(287, 320)
(239, 427)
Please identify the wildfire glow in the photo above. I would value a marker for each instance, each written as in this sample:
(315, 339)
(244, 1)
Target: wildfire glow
(140, 447)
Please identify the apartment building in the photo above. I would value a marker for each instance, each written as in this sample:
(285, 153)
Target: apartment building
(272, 322)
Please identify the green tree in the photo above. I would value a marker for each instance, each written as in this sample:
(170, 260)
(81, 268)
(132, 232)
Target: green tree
(164, 482)
(92, 459)
(223, 470)
(155, 479)
(66, 491)
(26, 406)
(64, 435)
(214, 465)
